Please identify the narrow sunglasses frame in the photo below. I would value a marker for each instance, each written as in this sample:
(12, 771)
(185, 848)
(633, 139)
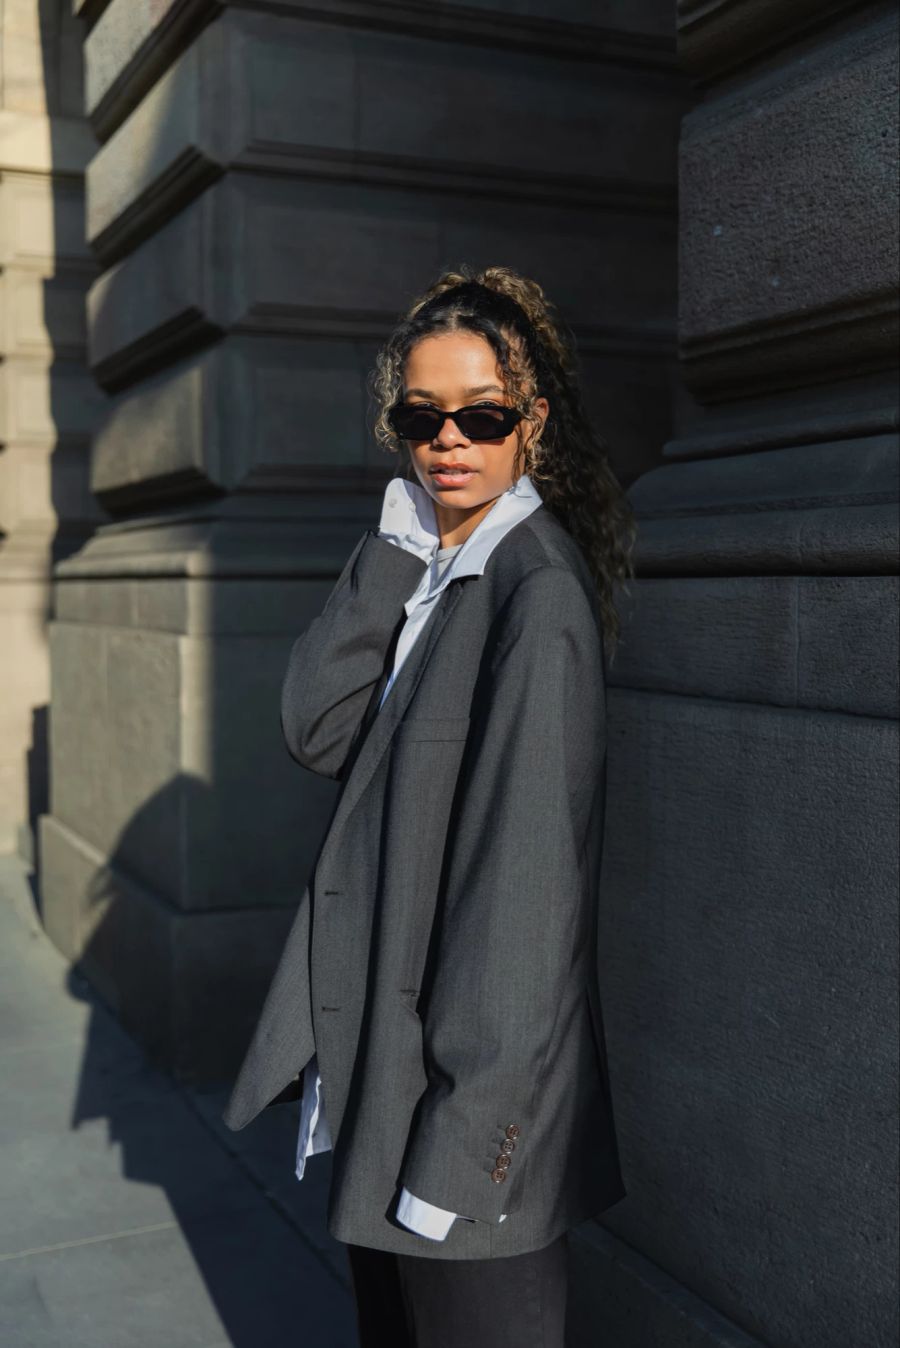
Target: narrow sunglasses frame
(509, 420)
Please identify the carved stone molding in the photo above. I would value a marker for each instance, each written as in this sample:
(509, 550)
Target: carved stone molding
(719, 37)
(288, 256)
(133, 41)
(302, 100)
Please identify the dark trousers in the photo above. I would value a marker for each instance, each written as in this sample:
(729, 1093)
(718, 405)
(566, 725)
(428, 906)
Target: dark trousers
(518, 1301)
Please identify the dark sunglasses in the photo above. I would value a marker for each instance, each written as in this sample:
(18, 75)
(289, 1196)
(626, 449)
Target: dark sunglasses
(411, 421)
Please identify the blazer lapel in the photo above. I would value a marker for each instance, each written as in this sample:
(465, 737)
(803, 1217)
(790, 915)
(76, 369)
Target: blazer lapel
(383, 723)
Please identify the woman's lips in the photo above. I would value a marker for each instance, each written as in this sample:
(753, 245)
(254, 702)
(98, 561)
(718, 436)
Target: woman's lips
(452, 477)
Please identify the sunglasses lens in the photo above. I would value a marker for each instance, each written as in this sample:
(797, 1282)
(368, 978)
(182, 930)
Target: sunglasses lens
(415, 423)
(484, 423)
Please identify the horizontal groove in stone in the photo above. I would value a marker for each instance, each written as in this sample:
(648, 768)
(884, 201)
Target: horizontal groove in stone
(845, 540)
(317, 108)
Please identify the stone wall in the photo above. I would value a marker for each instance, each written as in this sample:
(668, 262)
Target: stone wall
(750, 945)
(273, 184)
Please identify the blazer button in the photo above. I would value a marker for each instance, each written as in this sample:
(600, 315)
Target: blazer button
(513, 1130)
(502, 1162)
(498, 1176)
(507, 1145)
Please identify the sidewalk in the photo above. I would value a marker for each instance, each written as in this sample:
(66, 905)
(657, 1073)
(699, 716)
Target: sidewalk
(130, 1217)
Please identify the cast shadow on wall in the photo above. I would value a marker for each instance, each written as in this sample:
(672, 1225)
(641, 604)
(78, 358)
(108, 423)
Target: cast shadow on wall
(256, 1235)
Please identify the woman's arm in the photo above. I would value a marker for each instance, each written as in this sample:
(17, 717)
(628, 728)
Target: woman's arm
(512, 905)
(335, 664)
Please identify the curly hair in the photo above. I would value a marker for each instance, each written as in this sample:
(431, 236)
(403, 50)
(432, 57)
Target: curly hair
(536, 354)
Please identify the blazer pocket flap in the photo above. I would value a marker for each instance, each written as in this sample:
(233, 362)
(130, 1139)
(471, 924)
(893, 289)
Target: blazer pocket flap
(434, 728)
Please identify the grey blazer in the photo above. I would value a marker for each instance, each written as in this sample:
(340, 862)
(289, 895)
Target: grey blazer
(442, 959)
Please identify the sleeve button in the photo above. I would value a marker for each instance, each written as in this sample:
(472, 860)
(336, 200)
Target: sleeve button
(498, 1175)
(513, 1130)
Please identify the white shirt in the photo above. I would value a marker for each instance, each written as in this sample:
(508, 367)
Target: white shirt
(408, 520)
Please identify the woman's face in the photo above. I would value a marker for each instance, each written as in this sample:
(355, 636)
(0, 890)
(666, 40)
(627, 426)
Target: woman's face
(448, 371)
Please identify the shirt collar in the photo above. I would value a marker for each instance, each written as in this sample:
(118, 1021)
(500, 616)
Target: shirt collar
(513, 505)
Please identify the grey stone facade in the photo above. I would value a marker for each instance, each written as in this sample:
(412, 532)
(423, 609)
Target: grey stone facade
(751, 871)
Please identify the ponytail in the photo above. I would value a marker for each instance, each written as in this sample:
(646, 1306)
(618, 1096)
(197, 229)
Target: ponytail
(567, 459)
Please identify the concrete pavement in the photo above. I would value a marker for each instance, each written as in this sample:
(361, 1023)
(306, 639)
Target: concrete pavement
(130, 1217)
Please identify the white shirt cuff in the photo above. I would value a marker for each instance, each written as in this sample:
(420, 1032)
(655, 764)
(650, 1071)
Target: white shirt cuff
(408, 518)
(426, 1219)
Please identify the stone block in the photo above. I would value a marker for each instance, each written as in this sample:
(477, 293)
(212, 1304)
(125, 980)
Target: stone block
(806, 509)
(167, 747)
(189, 988)
(41, 311)
(847, 408)
(133, 41)
(335, 259)
(748, 955)
(24, 600)
(43, 401)
(248, 411)
(39, 480)
(43, 220)
(817, 642)
(789, 197)
(315, 98)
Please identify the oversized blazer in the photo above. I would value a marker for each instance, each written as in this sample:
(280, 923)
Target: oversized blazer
(442, 959)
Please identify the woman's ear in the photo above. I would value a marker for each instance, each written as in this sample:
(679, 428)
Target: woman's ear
(542, 410)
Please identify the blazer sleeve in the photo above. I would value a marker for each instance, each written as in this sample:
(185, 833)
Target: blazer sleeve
(512, 912)
(337, 661)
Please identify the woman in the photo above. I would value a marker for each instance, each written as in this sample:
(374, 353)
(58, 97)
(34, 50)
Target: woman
(435, 1007)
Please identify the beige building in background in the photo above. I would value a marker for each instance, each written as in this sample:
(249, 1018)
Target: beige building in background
(49, 402)
(211, 212)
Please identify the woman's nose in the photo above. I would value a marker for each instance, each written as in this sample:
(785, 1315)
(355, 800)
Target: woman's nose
(450, 434)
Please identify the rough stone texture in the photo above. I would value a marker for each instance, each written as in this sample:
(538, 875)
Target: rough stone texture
(617, 1296)
(748, 943)
(776, 290)
(749, 955)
